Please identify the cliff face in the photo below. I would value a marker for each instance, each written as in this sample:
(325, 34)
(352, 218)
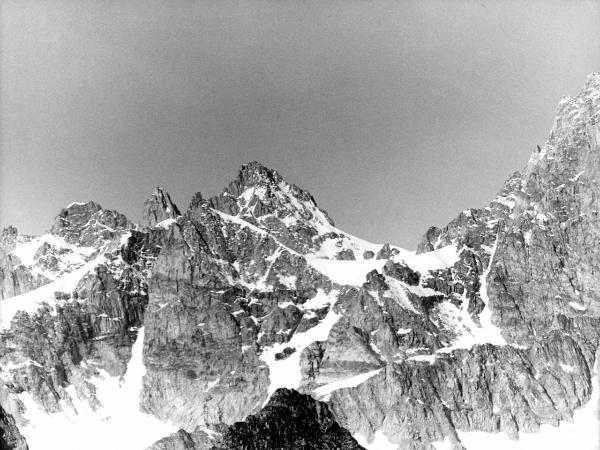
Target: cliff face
(251, 321)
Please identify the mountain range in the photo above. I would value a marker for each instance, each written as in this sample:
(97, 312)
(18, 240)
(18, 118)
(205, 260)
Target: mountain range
(248, 320)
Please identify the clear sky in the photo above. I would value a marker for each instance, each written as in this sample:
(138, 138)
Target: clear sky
(396, 115)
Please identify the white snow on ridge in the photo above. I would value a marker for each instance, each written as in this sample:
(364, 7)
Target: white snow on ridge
(117, 425)
(32, 300)
(354, 272)
(322, 392)
(506, 201)
(75, 204)
(346, 272)
(439, 259)
(293, 206)
(240, 222)
(73, 255)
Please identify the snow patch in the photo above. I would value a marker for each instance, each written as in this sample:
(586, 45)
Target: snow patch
(344, 272)
(397, 291)
(285, 373)
(71, 256)
(320, 300)
(327, 389)
(117, 425)
(379, 442)
(567, 368)
(439, 259)
(166, 223)
(506, 201)
(577, 306)
(75, 204)
(490, 332)
(31, 301)
(423, 358)
(446, 444)
(288, 281)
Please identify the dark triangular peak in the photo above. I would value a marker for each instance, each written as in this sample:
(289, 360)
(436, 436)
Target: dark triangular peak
(255, 173)
(262, 197)
(289, 420)
(259, 191)
(159, 208)
(86, 223)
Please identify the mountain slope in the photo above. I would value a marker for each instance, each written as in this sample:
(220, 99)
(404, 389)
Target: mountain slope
(208, 318)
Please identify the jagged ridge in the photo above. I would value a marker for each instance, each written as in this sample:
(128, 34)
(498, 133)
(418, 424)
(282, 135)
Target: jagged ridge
(493, 326)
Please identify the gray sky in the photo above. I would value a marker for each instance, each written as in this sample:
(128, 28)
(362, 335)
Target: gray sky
(395, 115)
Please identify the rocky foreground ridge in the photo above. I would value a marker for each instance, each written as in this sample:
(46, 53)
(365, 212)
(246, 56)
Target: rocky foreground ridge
(249, 321)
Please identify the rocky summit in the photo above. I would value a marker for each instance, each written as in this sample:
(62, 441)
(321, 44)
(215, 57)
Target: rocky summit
(250, 321)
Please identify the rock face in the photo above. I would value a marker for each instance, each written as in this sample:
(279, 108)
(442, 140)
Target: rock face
(87, 223)
(10, 437)
(265, 326)
(82, 323)
(15, 278)
(159, 208)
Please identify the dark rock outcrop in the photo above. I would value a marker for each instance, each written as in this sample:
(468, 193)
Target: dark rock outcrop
(10, 438)
(289, 421)
(88, 223)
